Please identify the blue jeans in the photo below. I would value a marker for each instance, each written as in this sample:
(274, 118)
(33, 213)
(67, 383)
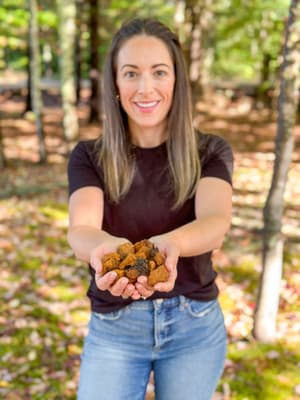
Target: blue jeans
(182, 340)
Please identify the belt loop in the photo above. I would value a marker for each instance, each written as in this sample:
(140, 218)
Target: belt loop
(182, 302)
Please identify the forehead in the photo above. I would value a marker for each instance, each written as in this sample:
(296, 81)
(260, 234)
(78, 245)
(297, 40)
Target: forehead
(143, 49)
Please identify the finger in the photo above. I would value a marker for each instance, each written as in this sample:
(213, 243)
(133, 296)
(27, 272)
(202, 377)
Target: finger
(118, 288)
(96, 264)
(143, 280)
(128, 291)
(144, 291)
(172, 258)
(104, 282)
(136, 295)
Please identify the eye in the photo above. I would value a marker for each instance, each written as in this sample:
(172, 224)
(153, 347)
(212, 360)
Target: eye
(130, 74)
(160, 73)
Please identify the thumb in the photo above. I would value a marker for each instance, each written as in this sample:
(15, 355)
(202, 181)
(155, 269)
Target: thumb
(172, 254)
(95, 261)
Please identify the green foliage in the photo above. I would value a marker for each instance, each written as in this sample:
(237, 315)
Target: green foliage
(14, 20)
(48, 19)
(124, 10)
(245, 31)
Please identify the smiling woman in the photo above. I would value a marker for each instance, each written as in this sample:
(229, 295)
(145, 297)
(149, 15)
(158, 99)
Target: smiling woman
(142, 180)
(145, 80)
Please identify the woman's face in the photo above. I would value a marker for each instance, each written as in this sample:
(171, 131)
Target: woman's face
(145, 79)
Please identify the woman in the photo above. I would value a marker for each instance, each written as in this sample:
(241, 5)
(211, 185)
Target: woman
(150, 175)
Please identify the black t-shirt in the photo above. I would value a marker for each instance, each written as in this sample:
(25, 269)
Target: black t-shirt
(146, 211)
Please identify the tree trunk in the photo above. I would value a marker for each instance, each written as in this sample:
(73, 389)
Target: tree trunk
(179, 18)
(94, 62)
(67, 35)
(28, 106)
(2, 156)
(269, 292)
(35, 74)
(78, 49)
(199, 18)
(265, 85)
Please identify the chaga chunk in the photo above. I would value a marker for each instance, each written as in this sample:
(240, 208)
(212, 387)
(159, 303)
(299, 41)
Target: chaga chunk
(120, 273)
(143, 252)
(132, 274)
(129, 260)
(152, 252)
(125, 249)
(158, 258)
(159, 274)
(141, 265)
(151, 265)
(143, 243)
(133, 260)
(110, 261)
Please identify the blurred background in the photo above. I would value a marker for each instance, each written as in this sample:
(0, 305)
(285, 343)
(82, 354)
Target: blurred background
(243, 59)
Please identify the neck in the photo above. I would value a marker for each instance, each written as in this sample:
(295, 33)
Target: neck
(147, 137)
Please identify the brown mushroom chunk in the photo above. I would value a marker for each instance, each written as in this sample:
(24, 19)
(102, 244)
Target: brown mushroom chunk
(110, 261)
(159, 274)
(129, 260)
(125, 249)
(133, 260)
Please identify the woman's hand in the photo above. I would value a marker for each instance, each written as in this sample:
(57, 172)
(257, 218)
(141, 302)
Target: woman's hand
(171, 251)
(120, 287)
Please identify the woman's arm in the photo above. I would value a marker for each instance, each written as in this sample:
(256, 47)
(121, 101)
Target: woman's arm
(89, 242)
(213, 206)
(85, 221)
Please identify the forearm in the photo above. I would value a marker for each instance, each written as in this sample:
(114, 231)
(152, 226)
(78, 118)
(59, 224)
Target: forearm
(199, 236)
(83, 239)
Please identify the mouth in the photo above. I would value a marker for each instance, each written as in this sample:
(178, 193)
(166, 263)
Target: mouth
(146, 105)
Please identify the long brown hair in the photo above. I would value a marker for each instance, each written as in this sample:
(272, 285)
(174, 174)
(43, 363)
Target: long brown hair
(115, 151)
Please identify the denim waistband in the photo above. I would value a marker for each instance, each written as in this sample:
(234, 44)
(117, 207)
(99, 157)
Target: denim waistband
(173, 302)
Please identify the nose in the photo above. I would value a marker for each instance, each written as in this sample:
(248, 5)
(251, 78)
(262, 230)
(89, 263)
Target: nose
(145, 85)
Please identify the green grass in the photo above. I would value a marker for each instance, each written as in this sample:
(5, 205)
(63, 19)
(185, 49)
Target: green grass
(261, 371)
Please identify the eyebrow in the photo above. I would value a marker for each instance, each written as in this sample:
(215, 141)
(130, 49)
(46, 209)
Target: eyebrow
(153, 66)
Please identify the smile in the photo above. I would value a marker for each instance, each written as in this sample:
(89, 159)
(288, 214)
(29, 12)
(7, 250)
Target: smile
(147, 105)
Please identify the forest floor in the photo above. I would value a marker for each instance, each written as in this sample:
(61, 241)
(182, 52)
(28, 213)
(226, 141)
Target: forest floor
(44, 310)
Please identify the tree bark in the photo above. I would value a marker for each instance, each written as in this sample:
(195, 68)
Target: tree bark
(272, 258)
(179, 18)
(95, 111)
(67, 35)
(35, 74)
(28, 106)
(2, 156)
(78, 48)
(265, 85)
(199, 17)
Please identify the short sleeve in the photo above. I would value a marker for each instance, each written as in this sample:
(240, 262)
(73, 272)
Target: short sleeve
(83, 169)
(216, 158)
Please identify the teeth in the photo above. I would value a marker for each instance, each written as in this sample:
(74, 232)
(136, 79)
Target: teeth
(147, 105)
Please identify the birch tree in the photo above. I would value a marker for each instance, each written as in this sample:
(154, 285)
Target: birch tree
(94, 62)
(272, 257)
(67, 34)
(34, 64)
(199, 17)
(2, 156)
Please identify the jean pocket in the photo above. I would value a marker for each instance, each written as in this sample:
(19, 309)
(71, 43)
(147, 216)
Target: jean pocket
(200, 309)
(111, 316)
